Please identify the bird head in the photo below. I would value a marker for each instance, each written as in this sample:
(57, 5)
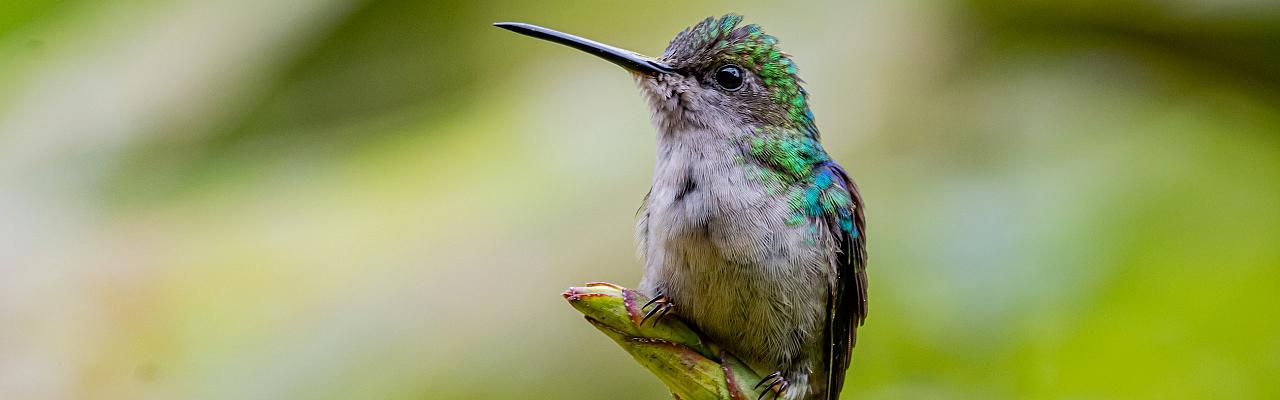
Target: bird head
(715, 75)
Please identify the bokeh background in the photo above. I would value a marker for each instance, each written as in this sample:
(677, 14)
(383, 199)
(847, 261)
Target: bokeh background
(327, 199)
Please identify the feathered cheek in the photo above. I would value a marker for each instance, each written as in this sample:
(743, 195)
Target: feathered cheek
(668, 93)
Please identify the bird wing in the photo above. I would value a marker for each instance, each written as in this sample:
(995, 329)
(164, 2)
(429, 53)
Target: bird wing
(847, 306)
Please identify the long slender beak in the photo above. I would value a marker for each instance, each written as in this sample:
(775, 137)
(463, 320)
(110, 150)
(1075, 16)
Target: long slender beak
(627, 59)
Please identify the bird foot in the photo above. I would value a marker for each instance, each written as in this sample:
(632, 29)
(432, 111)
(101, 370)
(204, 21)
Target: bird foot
(662, 305)
(773, 384)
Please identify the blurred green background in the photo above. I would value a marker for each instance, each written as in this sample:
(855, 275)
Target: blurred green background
(306, 199)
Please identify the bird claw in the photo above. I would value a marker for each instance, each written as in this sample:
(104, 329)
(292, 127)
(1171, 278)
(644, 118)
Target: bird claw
(662, 305)
(773, 384)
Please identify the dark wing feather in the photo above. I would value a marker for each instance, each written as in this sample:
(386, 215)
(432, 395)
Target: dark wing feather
(847, 309)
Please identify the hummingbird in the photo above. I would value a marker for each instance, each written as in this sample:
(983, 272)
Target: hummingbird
(750, 232)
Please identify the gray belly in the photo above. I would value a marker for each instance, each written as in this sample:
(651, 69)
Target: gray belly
(734, 269)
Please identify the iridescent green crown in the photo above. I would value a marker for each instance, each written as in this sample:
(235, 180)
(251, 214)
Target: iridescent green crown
(715, 41)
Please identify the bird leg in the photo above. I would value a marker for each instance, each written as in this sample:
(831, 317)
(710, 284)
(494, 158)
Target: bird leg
(773, 384)
(662, 305)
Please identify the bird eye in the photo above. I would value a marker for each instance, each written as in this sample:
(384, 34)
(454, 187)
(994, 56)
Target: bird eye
(729, 77)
